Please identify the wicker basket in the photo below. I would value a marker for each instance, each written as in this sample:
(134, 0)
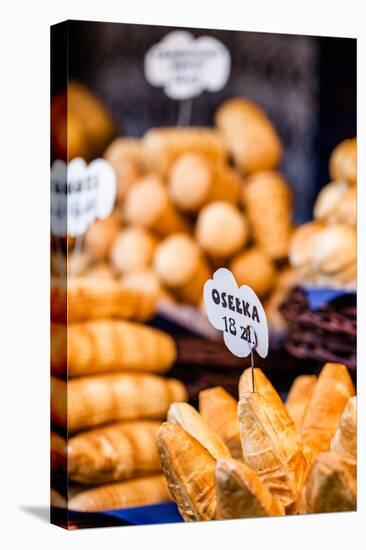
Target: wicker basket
(327, 334)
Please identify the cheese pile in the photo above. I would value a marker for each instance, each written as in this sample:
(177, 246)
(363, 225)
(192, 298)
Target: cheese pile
(108, 396)
(194, 199)
(324, 251)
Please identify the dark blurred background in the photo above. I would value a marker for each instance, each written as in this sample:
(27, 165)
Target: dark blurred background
(307, 85)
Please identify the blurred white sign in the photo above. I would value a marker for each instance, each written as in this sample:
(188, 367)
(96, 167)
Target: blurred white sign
(80, 193)
(238, 313)
(186, 66)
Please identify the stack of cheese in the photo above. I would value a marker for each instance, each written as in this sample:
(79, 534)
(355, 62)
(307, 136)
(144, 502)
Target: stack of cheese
(107, 393)
(324, 251)
(192, 199)
(260, 457)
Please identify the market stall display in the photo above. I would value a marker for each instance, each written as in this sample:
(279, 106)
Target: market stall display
(162, 175)
(192, 199)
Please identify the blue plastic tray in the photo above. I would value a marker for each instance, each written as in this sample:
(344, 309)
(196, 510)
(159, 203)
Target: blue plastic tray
(318, 297)
(148, 515)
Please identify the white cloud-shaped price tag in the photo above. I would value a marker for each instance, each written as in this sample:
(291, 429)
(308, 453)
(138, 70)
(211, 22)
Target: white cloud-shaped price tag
(238, 313)
(186, 66)
(80, 193)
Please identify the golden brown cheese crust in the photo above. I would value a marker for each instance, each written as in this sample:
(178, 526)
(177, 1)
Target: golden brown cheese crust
(84, 298)
(329, 487)
(298, 397)
(114, 452)
(271, 225)
(241, 494)
(343, 161)
(264, 387)
(344, 441)
(270, 449)
(333, 389)
(193, 423)
(102, 346)
(162, 146)
(220, 410)
(126, 494)
(93, 400)
(249, 135)
(189, 469)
